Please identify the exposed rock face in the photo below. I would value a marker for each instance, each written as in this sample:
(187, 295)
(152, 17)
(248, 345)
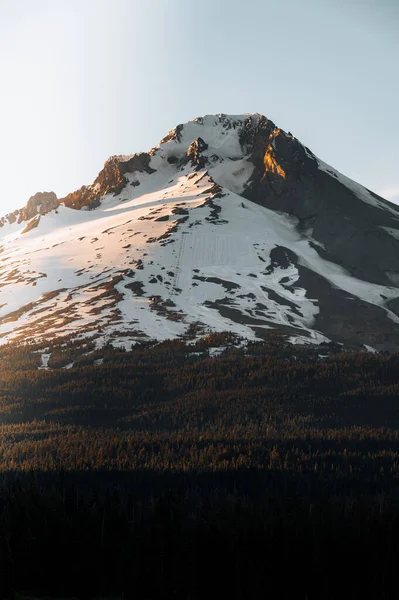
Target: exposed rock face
(10, 218)
(39, 204)
(32, 224)
(194, 153)
(110, 180)
(174, 134)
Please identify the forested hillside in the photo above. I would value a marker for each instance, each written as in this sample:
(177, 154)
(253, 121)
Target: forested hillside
(166, 470)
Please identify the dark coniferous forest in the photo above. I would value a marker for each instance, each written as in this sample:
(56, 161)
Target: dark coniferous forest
(267, 471)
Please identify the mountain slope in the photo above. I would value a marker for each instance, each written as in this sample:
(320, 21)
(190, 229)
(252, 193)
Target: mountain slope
(229, 224)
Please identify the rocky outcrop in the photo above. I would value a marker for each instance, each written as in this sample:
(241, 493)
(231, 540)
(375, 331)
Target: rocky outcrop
(39, 204)
(111, 180)
(10, 218)
(194, 153)
(174, 134)
(32, 224)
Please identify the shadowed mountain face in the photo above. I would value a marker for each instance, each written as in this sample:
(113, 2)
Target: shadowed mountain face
(229, 224)
(350, 224)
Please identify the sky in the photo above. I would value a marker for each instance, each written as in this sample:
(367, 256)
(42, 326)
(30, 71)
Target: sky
(83, 80)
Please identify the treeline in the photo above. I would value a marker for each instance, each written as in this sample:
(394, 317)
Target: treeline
(172, 407)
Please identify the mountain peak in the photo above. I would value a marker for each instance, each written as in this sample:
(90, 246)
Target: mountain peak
(219, 133)
(230, 223)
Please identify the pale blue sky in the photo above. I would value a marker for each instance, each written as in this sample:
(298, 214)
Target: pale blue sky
(82, 80)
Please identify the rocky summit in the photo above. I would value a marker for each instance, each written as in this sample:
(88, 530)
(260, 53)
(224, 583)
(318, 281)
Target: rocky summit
(229, 224)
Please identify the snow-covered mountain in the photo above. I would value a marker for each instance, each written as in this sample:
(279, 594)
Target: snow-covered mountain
(229, 224)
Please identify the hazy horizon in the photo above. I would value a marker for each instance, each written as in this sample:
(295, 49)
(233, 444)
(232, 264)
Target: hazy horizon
(83, 81)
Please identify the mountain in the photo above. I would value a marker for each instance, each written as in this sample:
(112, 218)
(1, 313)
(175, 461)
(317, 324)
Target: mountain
(229, 224)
